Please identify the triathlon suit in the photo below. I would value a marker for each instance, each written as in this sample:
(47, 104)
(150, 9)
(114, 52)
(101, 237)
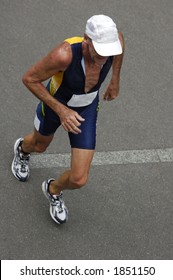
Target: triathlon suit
(68, 88)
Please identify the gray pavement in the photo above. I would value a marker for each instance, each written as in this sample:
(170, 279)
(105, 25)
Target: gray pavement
(126, 210)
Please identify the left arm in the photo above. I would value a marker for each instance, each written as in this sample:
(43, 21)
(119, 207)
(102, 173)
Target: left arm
(113, 87)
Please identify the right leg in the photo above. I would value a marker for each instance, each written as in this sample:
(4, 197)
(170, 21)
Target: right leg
(34, 142)
(38, 141)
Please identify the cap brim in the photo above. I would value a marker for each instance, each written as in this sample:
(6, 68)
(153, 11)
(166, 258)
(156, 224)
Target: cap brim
(108, 49)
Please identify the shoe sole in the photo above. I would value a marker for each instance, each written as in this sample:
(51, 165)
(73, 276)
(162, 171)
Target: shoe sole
(44, 190)
(12, 165)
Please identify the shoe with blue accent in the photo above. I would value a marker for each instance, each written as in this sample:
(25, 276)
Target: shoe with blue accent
(20, 164)
(58, 210)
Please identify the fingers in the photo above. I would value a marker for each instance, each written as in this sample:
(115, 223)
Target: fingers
(79, 117)
(71, 128)
(111, 93)
(108, 97)
(72, 121)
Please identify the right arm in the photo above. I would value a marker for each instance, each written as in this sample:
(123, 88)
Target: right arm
(57, 60)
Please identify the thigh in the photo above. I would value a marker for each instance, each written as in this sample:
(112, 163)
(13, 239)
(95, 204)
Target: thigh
(46, 121)
(87, 138)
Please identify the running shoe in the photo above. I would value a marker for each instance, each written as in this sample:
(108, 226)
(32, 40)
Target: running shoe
(58, 210)
(20, 164)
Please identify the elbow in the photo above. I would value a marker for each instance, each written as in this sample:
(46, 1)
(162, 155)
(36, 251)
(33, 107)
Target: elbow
(25, 79)
(28, 80)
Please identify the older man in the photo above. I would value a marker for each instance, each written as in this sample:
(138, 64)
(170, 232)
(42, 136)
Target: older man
(76, 68)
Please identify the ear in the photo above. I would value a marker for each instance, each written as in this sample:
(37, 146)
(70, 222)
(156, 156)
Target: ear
(86, 38)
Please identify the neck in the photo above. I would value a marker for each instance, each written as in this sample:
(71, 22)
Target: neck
(85, 53)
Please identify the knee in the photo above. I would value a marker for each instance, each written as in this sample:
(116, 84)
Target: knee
(77, 181)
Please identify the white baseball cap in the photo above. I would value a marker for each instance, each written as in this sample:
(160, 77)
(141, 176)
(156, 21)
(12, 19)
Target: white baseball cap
(103, 32)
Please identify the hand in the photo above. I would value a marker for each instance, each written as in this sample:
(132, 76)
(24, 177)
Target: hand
(71, 120)
(111, 92)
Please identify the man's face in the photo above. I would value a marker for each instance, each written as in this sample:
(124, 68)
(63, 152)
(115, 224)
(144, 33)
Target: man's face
(98, 59)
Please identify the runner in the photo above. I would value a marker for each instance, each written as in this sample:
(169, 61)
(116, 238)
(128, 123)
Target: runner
(76, 68)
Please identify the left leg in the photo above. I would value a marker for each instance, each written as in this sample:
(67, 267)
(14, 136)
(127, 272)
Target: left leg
(77, 176)
(74, 178)
(83, 147)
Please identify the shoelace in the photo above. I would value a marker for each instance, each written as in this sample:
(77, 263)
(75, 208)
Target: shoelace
(24, 160)
(58, 201)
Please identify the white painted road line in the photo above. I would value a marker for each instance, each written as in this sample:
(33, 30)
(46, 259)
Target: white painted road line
(105, 158)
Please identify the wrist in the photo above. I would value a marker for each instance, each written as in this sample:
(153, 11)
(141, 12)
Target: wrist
(114, 81)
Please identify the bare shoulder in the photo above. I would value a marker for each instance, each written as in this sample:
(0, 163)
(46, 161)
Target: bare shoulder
(61, 55)
(56, 60)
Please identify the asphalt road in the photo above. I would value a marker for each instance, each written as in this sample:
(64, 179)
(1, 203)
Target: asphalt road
(126, 210)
